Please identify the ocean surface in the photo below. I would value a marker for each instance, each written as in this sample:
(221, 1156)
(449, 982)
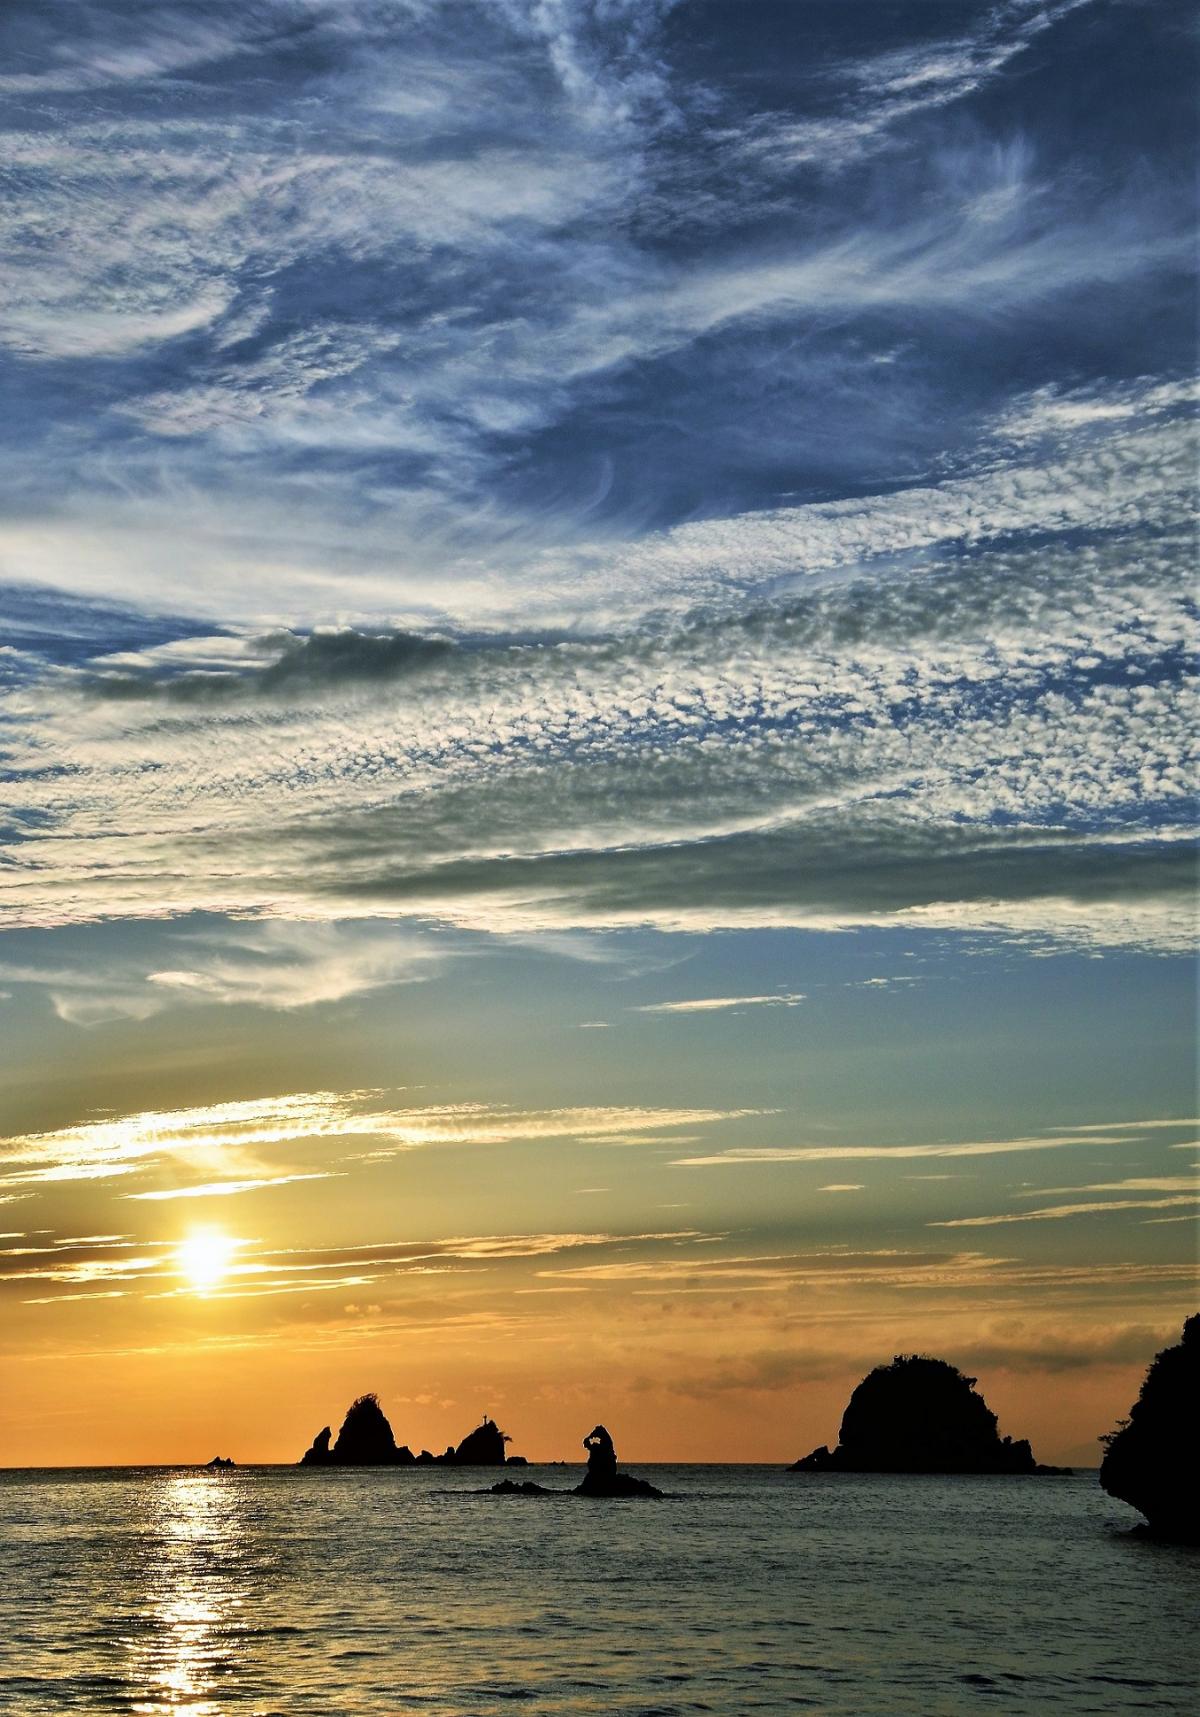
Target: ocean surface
(273, 1591)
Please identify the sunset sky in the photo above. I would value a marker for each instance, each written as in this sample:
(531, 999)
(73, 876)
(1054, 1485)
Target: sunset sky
(596, 717)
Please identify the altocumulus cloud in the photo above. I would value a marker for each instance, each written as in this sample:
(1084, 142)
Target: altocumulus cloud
(365, 598)
(945, 739)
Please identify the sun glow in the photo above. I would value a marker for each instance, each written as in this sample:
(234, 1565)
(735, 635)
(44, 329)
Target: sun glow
(204, 1258)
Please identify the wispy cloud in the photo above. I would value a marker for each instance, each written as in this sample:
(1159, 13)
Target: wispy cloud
(1058, 1212)
(157, 1269)
(722, 1004)
(226, 1188)
(880, 92)
(1134, 1183)
(269, 964)
(231, 1136)
(897, 1152)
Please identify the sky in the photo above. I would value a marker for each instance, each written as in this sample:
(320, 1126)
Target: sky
(596, 717)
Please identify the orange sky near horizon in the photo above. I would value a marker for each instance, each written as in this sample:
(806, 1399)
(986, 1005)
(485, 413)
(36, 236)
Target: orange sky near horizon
(208, 1335)
(597, 718)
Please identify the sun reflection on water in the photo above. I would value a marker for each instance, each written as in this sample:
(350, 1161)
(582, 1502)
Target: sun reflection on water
(186, 1641)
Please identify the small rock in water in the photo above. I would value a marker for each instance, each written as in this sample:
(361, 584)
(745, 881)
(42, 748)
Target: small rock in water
(601, 1479)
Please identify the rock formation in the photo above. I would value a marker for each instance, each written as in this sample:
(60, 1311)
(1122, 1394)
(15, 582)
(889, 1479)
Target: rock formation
(920, 1415)
(317, 1453)
(219, 1463)
(1152, 1460)
(601, 1479)
(482, 1447)
(366, 1440)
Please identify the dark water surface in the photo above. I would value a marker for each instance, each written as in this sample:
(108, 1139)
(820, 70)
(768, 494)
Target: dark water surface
(269, 1590)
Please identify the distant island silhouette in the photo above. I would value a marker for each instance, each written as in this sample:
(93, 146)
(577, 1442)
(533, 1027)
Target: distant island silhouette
(219, 1463)
(366, 1440)
(1152, 1459)
(601, 1479)
(920, 1415)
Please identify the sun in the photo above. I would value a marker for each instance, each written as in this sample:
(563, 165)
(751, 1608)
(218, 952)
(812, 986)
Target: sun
(204, 1258)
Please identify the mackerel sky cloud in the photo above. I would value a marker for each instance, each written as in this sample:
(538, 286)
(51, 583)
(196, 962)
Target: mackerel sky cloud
(670, 515)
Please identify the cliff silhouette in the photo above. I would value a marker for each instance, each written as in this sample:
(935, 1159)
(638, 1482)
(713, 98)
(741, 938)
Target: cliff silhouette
(366, 1440)
(1152, 1460)
(920, 1415)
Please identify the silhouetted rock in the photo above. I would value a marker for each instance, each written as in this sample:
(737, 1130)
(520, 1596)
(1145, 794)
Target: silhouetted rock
(219, 1463)
(1152, 1460)
(366, 1440)
(317, 1454)
(602, 1477)
(515, 1461)
(482, 1447)
(920, 1415)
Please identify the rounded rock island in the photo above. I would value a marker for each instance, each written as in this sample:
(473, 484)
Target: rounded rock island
(920, 1415)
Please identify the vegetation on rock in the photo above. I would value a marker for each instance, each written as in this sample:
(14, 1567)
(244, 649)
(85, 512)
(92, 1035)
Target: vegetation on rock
(1152, 1460)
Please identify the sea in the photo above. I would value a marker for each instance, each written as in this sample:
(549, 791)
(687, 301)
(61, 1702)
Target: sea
(281, 1592)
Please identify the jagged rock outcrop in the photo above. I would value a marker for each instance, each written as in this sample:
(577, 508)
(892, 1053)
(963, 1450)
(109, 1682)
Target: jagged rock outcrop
(317, 1452)
(219, 1463)
(1152, 1460)
(920, 1415)
(366, 1440)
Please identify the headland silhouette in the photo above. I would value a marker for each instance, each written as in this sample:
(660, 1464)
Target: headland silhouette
(1152, 1459)
(920, 1415)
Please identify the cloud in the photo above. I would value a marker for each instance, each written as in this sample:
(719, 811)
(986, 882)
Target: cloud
(227, 1188)
(230, 1136)
(937, 743)
(895, 1153)
(125, 44)
(1057, 1212)
(805, 548)
(1151, 1183)
(1157, 1124)
(745, 1272)
(721, 1004)
(880, 92)
(153, 1269)
(268, 964)
(294, 666)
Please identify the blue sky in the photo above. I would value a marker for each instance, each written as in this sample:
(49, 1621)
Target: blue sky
(573, 554)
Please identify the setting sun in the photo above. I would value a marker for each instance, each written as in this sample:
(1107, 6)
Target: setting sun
(204, 1258)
